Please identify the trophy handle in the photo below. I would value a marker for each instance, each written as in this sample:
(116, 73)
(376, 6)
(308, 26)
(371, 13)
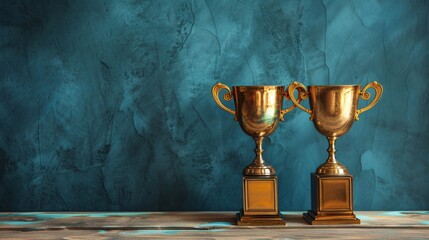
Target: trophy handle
(287, 96)
(366, 95)
(302, 95)
(228, 96)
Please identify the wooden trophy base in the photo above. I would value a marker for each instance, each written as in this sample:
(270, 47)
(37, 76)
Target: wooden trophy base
(260, 202)
(316, 219)
(260, 220)
(331, 200)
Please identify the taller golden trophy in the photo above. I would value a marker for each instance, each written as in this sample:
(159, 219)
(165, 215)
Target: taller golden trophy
(333, 111)
(258, 110)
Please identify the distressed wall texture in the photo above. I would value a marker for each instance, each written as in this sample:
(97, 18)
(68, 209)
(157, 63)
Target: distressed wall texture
(106, 105)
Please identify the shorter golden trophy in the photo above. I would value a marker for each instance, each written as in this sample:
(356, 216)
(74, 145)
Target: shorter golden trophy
(333, 111)
(258, 111)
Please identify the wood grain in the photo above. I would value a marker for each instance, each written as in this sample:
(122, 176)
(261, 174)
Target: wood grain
(203, 225)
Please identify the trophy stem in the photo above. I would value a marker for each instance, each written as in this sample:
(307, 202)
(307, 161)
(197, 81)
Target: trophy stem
(331, 150)
(259, 161)
(258, 166)
(332, 166)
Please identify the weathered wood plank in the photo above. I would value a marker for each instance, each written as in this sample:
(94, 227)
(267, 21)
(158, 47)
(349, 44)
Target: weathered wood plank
(203, 225)
(199, 220)
(285, 233)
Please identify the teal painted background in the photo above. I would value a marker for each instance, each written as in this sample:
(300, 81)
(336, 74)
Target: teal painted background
(106, 105)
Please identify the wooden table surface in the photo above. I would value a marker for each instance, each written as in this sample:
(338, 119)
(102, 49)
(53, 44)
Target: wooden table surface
(203, 225)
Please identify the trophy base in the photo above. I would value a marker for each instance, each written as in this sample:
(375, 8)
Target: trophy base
(331, 200)
(260, 207)
(260, 220)
(314, 219)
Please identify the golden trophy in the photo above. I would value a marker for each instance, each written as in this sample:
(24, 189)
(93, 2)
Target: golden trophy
(258, 110)
(333, 111)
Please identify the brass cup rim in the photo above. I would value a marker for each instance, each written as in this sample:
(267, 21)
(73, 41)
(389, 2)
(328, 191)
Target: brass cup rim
(259, 86)
(343, 85)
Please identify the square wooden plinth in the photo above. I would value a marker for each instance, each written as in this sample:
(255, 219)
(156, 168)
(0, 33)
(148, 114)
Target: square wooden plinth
(260, 202)
(331, 200)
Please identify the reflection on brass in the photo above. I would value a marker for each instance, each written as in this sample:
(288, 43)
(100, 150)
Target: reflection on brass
(333, 111)
(258, 110)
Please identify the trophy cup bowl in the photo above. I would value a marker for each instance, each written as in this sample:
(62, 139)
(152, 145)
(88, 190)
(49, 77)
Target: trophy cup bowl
(333, 112)
(258, 110)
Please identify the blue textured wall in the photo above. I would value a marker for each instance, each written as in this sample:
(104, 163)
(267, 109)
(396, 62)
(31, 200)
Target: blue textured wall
(106, 105)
